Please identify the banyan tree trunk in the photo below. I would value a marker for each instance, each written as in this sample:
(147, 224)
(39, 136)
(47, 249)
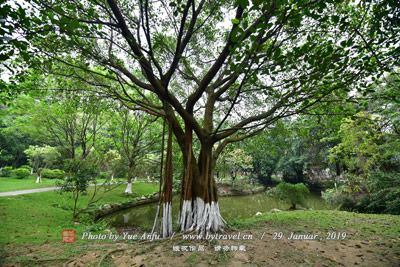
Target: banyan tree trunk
(167, 190)
(200, 210)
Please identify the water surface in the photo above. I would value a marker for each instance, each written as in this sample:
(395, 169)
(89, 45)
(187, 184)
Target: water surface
(233, 207)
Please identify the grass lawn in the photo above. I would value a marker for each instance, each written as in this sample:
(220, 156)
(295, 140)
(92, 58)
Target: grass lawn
(41, 217)
(13, 184)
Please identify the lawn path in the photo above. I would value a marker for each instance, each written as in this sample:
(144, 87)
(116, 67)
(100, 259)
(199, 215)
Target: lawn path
(37, 190)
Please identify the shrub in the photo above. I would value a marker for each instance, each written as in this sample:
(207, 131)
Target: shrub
(53, 174)
(384, 201)
(104, 175)
(347, 203)
(292, 193)
(22, 173)
(330, 196)
(26, 167)
(6, 171)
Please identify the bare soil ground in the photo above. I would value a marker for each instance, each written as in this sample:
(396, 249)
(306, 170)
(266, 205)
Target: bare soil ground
(259, 252)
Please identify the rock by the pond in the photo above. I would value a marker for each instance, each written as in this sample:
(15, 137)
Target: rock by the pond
(143, 198)
(107, 206)
(275, 210)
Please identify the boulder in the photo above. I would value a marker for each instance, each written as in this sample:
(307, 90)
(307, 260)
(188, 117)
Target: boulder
(275, 210)
(107, 206)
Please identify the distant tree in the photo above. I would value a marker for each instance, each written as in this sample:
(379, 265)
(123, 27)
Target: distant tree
(41, 158)
(134, 138)
(366, 149)
(13, 141)
(292, 193)
(234, 162)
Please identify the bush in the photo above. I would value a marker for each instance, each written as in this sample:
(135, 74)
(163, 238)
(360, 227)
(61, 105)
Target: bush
(22, 173)
(6, 171)
(330, 196)
(385, 201)
(105, 175)
(53, 174)
(26, 167)
(381, 180)
(292, 193)
(347, 204)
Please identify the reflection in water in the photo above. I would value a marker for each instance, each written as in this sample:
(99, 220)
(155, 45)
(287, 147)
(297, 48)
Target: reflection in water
(230, 207)
(126, 218)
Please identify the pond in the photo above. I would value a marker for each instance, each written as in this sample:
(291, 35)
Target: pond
(231, 207)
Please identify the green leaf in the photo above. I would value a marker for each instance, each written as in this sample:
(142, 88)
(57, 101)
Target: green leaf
(243, 3)
(235, 21)
(58, 9)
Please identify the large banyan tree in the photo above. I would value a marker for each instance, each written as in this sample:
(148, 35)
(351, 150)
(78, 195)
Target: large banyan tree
(218, 71)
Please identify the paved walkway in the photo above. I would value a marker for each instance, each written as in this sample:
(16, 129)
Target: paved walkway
(30, 191)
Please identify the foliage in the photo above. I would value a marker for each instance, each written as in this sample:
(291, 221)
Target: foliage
(332, 196)
(6, 171)
(383, 201)
(292, 193)
(292, 166)
(71, 121)
(22, 173)
(366, 152)
(136, 138)
(53, 174)
(13, 141)
(264, 167)
(79, 174)
(26, 167)
(266, 149)
(42, 157)
(234, 162)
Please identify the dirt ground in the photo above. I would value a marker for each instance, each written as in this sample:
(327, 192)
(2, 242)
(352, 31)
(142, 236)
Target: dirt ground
(261, 250)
